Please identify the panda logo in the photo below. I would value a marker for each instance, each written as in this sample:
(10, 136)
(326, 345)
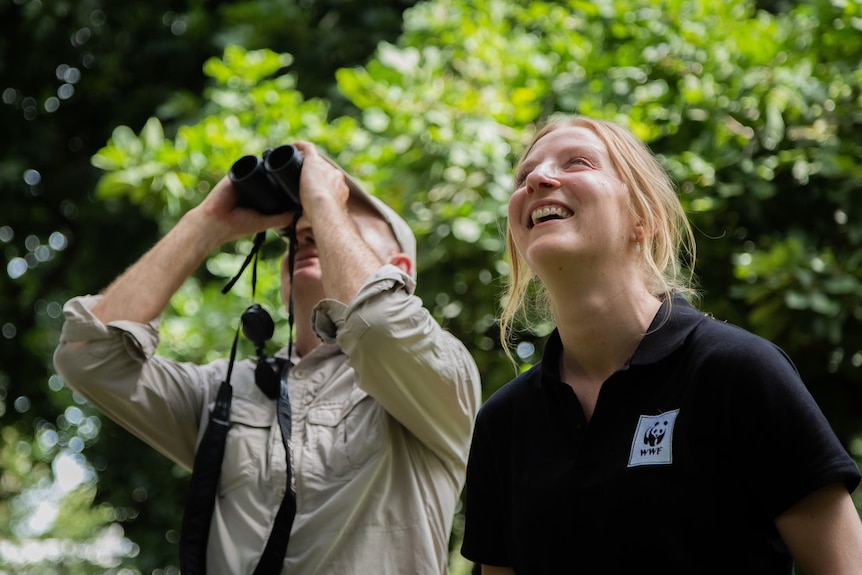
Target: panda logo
(652, 440)
(654, 434)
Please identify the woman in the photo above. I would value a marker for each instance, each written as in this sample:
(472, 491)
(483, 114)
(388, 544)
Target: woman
(651, 438)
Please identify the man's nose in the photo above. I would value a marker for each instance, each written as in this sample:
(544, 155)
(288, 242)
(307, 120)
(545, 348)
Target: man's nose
(304, 233)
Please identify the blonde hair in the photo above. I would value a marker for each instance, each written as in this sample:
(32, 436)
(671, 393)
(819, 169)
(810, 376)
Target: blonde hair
(652, 199)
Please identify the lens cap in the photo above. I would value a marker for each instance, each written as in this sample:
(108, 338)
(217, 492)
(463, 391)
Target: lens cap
(257, 325)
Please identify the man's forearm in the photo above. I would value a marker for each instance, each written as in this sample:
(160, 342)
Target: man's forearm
(346, 260)
(143, 291)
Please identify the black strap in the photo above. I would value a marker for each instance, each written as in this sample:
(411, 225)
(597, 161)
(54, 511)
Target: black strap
(198, 513)
(252, 255)
(269, 375)
(272, 560)
(197, 517)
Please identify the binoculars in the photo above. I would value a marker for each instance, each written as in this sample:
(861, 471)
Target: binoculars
(269, 184)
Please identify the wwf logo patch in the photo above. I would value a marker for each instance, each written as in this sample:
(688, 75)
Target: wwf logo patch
(652, 443)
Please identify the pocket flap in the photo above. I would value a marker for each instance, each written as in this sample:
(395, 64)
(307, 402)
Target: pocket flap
(252, 413)
(330, 413)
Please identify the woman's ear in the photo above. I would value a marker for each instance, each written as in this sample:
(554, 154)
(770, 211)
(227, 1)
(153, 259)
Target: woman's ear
(638, 232)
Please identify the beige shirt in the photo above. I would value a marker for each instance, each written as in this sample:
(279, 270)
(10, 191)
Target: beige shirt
(382, 414)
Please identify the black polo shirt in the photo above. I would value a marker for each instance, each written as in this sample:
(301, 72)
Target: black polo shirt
(694, 447)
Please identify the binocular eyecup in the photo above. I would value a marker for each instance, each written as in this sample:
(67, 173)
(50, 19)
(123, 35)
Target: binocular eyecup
(269, 184)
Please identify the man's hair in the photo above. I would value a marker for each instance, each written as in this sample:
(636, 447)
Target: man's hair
(668, 243)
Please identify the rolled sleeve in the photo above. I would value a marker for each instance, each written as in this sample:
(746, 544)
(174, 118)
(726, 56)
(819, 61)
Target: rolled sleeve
(115, 367)
(422, 375)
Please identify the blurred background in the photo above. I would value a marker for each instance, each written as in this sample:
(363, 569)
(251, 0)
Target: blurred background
(117, 117)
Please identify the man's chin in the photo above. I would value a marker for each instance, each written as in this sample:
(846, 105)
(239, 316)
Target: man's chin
(306, 265)
(306, 275)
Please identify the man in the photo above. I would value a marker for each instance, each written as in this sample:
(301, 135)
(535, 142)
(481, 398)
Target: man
(382, 399)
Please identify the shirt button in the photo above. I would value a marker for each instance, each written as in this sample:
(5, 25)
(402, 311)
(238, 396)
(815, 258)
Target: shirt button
(299, 373)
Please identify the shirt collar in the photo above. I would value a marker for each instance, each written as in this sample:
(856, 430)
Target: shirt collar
(674, 321)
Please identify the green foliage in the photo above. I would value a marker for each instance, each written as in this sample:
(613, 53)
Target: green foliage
(755, 114)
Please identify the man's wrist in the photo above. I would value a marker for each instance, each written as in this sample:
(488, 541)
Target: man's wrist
(200, 232)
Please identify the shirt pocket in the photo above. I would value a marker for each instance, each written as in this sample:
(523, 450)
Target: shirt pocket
(247, 447)
(344, 436)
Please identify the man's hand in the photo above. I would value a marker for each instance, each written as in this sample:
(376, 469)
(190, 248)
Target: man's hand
(322, 186)
(222, 220)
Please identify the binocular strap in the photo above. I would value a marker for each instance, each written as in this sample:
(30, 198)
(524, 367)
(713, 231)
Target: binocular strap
(204, 485)
(272, 560)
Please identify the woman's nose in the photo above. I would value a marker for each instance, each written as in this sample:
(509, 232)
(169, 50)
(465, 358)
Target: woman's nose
(541, 178)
